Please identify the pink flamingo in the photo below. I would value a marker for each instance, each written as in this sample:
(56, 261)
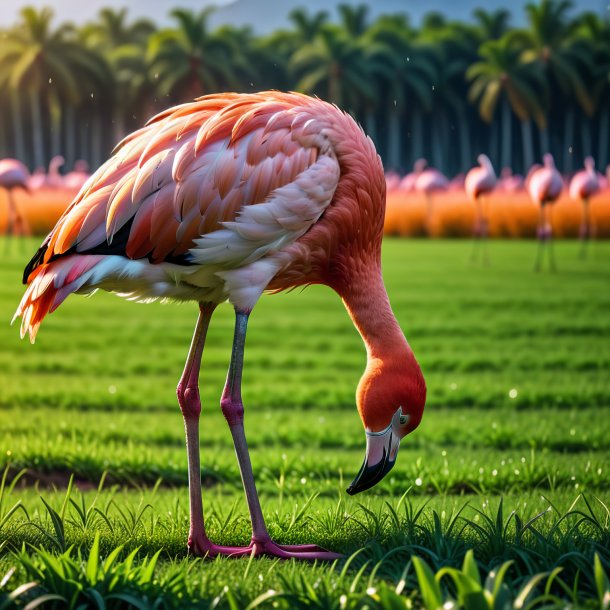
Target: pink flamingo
(509, 182)
(480, 181)
(75, 179)
(222, 199)
(583, 186)
(430, 181)
(544, 186)
(392, 181)
(52, 179)
(14, 174)
(407, 184)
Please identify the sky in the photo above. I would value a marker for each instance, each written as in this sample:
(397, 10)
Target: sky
(267, 15)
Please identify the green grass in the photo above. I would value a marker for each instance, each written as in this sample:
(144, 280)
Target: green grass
(518, 372)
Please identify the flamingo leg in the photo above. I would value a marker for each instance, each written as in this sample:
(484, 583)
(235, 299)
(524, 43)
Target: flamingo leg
(190, 405)
(585, 229)
(233, 410)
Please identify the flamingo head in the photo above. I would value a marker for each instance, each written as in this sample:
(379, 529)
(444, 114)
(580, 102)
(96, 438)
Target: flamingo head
(548, 160)
(590, 164)
(391, 401)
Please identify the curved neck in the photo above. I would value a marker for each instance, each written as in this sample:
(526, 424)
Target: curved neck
(367, 303)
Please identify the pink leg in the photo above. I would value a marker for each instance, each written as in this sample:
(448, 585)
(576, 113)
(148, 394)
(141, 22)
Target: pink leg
(190, 405)
(233, 410)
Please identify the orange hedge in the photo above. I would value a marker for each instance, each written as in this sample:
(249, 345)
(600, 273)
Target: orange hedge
(511, 214)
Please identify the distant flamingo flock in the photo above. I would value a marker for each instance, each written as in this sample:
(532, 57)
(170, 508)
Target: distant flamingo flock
(543, 183)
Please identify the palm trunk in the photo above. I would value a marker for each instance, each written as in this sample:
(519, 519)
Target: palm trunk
(585, 134)
(465, 151)
(18, 127)
(493, 143)
(37, 136)
(97, 144)
(544, 141)
(418, 134)
(568, 140)
(70, 136)
(507, 145)
(55, 115)
(369, 123)
(394, 140)
(437, 144)
(528, 144)
(604, 136)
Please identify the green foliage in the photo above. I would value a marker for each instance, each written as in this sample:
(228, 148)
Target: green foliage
(490, 497)
(393, 77)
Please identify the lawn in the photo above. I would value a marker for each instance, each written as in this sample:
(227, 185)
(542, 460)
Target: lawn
(511, 459)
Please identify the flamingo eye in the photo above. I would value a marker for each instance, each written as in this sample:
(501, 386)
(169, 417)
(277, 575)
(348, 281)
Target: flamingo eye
(404, 419)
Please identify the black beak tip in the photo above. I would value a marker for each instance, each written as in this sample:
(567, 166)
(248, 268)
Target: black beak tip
(370, 476)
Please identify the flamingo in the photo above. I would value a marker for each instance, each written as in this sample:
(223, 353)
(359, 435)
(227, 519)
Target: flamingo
(51, 179)
(222, 199)
(480, 181)
(14, 174)
(509, 182)
(583, 186)
(407, 183)
(78, 176)
(427, 181)
(544, 185)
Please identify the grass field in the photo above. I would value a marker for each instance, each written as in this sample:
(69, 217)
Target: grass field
(512, 459)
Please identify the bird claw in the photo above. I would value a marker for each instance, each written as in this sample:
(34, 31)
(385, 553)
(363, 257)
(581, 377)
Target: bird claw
(309, 552)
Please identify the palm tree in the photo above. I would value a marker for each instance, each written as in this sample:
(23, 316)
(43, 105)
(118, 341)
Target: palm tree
(49, 68)
(354, 19)
(501, 77)
(549, 41)
(454, 47)
(333, 66)
(593, 37)
(190, 61)
(491, 24)
(405, 75)
(306, 26)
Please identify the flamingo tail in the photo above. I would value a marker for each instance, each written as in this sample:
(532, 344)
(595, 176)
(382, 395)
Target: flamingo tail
(49, 285)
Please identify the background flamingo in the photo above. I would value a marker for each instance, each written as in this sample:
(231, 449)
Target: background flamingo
(75, 179)
(224, 198)
(509, 182)
(14, 174)
(430, 181)
(544, 186)
(480, 181)
(583, 186)
(52, 179)
(407, 184)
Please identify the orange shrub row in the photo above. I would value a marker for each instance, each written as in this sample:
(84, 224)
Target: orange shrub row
(510, 214)
(452, 214)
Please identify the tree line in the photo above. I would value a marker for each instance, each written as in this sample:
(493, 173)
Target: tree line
(446, 91)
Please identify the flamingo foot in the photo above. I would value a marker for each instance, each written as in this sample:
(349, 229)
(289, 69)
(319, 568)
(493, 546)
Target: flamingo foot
(201, 546)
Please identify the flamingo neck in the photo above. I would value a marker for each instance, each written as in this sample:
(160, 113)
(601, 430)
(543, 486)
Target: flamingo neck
(367, 303)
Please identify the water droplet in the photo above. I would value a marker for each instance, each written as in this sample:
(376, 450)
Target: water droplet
(570, 149)
(513, 393)
(50, 80)
(494, 473)
(418, 482)
(112, 389)
(303, 480)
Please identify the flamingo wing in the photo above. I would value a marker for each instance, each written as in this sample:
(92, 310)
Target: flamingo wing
(192, 206)
(224, 179)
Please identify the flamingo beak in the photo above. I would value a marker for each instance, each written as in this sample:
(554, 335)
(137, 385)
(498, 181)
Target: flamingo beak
(381, 451)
